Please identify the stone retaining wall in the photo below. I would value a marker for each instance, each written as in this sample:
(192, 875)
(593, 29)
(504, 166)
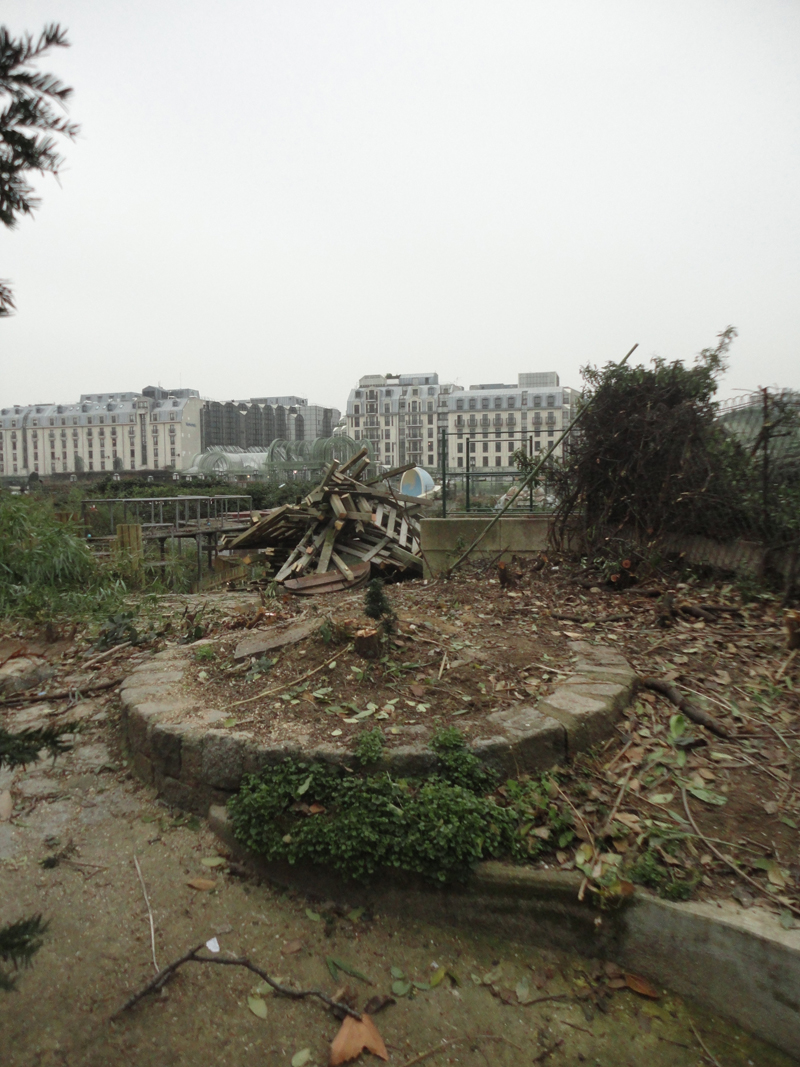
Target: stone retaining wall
(176, 745)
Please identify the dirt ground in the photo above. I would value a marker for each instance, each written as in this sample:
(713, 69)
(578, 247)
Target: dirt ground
(743, 794)
(455, 655)
(88, 811)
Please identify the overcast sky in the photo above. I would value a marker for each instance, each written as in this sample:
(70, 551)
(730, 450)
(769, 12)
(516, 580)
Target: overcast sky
(278, 197)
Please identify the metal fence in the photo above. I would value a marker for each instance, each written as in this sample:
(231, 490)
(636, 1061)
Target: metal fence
(479, 490)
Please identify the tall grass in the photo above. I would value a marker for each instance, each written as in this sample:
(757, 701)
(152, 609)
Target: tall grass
(46, 568)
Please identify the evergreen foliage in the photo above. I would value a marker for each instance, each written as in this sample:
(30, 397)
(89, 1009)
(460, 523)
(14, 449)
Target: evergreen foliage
(377, 604)
(19, 942)
(28, 119)
(18, 750)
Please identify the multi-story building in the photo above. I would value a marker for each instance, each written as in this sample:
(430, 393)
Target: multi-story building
(403, 416)
(257, 422)
(397, 414)
(152, 430)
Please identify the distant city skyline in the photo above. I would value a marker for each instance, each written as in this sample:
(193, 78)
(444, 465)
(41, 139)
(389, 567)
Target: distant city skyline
(481, 188)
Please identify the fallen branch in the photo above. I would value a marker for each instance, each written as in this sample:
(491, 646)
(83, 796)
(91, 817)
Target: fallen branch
(149, 914)
(163, 976)
(697, 612)
(288, 685)
(617, 803)
(62, 694)
(704, 1046)
(690, 710)
(104, 655)
(729, 863)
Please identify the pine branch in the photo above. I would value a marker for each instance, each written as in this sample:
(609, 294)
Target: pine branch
(19, 942)
(17, 750)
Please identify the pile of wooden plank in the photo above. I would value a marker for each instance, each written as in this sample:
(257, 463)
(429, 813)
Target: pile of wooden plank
(341, 532)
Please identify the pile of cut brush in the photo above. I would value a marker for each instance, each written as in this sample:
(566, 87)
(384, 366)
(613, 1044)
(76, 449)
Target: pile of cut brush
(339, 533)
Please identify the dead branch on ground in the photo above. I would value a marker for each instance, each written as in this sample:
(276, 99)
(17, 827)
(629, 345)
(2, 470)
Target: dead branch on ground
(690, 710)
(159, 981)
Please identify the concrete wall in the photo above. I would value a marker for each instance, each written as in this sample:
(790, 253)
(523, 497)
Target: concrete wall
(443, 540)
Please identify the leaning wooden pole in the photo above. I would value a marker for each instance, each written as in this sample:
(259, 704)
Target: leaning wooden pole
(529, 480)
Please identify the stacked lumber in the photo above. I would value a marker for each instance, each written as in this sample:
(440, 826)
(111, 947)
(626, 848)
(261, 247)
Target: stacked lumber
(341, 526)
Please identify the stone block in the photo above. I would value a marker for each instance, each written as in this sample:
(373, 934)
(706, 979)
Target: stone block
(166, 750)
(139, 723)
(598, 655)
(410, 761)
(223, 759)
(191, 743)
(180, 794)
(588, 672)
(586, 719)
(143, 694)
(535, 741)
(613, 693)
(142, 768)
(147, 676)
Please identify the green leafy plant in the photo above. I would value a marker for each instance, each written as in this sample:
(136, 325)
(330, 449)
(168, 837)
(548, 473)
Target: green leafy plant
(369, 747)
(118, 629)
(205, 654)
(46, 567)
(427, 826)
(459, 766)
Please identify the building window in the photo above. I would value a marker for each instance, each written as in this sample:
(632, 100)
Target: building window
(485, 446)
(551, 401)
(537, 447)
(91, 465)
(485, 461)
(91, 455)
(172, 416)
(498, 445)
(498, 461)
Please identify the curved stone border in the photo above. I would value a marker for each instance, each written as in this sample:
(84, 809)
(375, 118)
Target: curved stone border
(193, 764)
(740, 964)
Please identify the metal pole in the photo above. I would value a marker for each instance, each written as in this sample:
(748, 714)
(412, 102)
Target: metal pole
(111, 518)
(529, 480)
(530, 453)
(468, 500)
(199, 543)
(444, 473)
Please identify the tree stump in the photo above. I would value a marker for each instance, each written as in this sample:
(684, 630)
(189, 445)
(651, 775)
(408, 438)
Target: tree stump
(367, 642)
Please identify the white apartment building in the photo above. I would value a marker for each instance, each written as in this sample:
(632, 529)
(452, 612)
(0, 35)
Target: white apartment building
(403, 417)
(151, 430)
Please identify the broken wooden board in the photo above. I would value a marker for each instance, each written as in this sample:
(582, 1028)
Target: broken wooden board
(329, 582)
(260, 641)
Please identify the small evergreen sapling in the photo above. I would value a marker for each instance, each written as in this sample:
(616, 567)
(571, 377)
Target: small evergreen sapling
(377, 605)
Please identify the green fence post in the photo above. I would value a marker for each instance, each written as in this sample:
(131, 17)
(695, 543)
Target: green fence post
(467, 476)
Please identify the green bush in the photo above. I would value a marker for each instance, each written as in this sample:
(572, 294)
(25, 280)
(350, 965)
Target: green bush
(45, 566)
(427, 826)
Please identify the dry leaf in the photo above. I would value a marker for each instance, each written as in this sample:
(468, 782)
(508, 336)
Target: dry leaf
(202, 884)
(353, 1038)
(291, 947)
(418, 690)
(641, 985)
